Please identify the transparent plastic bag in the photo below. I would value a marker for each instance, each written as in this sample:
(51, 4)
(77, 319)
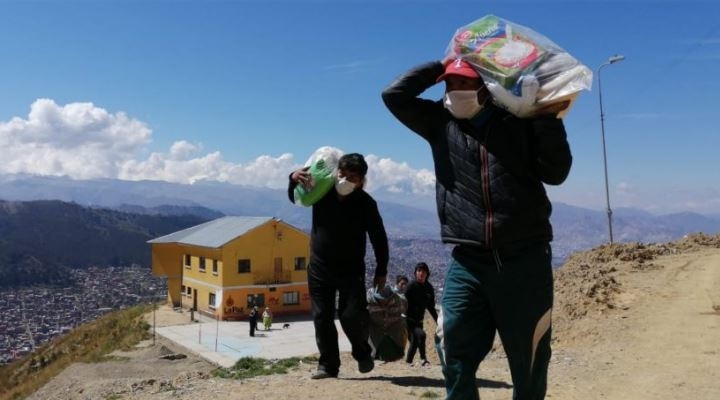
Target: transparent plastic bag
(388, 332)
(525, 72)
(322, 165)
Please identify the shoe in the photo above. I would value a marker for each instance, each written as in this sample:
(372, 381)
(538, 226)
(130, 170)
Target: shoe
(322, 374)
(366, 365)
(425, 363)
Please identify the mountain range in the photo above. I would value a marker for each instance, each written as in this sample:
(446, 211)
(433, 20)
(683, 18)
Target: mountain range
(40, 239)
(406, 217)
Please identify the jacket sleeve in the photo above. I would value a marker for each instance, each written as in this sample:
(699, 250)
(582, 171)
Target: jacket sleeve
(291, 188)
(378, 238)
(552, 151)
(431, 304)
(401, 98)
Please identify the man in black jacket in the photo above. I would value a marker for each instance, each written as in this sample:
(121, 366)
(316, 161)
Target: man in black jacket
(420, 296)
(252, 319)
(341, 221)
(490, 167)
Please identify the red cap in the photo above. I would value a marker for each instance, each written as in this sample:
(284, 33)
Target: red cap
(460, 68)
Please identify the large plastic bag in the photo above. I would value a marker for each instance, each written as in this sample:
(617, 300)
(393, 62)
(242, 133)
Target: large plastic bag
(388, 331)
(525, 72)
(322, 165)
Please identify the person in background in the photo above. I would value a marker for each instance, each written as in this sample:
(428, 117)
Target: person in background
(342, 220)
(267, 318)
(401, 282)
(420, 295)
(490, 171)
(253, 318)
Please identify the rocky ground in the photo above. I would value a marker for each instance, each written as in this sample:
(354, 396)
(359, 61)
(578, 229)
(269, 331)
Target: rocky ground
(631, 321)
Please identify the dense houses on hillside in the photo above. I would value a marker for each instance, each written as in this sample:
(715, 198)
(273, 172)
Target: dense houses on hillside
(31, 317)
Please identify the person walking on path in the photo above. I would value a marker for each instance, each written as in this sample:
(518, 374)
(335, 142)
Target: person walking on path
(267, 318)
(253, 318)
(490, 171)
(420, 296)
(341, 222)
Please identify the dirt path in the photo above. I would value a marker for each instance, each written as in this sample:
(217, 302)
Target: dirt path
(665, 341)
(630, 323)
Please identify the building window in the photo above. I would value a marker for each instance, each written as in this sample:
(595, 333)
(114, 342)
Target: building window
(300, 264)
(291, 298)
(215, 267)
(257, 300)
(189, 291)
(243, 266)
(202, 264)
(211, 301)
(182, 290)
(188, 261)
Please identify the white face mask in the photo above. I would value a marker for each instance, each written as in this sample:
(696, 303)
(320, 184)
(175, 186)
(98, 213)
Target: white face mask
(344, 187)
(463, 104)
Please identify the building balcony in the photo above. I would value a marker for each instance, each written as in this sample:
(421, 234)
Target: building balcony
(274, 278)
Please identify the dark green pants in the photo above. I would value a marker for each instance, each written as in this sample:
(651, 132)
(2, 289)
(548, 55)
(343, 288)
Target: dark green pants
(509, 292)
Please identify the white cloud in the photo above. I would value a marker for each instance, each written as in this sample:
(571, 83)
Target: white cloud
(398, 177)
(83, 141)
(78, 140)
(182, 150)
(264, 171)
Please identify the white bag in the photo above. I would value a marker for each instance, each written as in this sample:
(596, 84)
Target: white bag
(322, 165)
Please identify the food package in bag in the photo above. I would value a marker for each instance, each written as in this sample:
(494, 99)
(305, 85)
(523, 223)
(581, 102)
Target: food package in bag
(322, 167)
(525, 72)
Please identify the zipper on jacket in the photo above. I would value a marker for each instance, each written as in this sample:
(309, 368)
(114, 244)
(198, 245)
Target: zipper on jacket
(498, 262)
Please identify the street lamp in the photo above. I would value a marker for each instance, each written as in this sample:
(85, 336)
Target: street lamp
(611, 60)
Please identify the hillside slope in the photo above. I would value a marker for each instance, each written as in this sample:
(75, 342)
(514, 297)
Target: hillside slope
(632, 321)
(40, 239)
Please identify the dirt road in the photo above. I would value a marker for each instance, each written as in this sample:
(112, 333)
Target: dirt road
(662, 343)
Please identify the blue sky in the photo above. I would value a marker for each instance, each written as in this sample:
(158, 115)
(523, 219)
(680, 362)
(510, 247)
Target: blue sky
(245, 91)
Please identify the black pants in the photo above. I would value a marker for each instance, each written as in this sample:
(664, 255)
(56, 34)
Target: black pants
(351, 308)
(253, 326)
(417, 337)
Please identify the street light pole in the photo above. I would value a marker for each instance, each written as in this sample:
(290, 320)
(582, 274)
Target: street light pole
(611, 60)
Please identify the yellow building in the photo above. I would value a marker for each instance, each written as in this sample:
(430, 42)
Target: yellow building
(224, 267)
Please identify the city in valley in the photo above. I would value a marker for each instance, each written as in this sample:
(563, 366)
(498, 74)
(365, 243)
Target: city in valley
(30, 317)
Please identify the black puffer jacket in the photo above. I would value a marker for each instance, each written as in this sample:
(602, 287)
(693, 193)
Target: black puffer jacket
(490, 170)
